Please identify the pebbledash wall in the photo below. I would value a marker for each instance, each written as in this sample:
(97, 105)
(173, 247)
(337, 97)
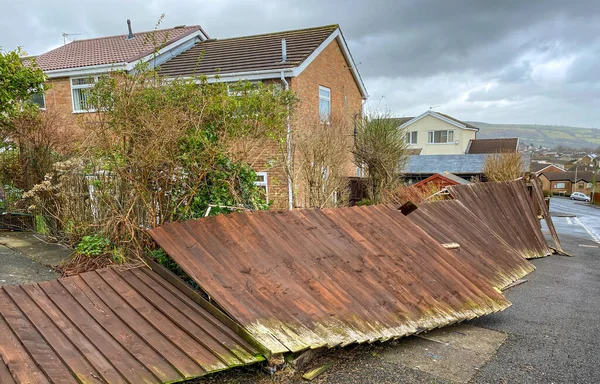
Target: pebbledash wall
(329, 69)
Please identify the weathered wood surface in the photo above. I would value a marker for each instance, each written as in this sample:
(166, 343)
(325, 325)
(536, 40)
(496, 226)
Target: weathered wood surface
(320, 278)
(111, 326)
(509, 211)
(481, 249)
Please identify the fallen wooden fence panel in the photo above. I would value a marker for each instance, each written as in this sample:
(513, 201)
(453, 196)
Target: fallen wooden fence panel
(111, 326)
(509, 211)
(449, 221)
(312, 278)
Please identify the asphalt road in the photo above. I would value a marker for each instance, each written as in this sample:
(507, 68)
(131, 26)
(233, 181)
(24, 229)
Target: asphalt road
(586, 216)
(554, 324)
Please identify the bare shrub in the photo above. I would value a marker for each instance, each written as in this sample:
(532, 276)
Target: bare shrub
(322, 150)
(381, 150)
(40, 139)
(161, 150)
(416, 194)
(504, 166)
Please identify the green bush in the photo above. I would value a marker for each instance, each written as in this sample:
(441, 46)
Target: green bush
(547, 193)
(92, 245)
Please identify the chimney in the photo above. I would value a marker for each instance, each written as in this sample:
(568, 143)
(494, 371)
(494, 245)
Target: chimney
(283, 51)
(131, 35)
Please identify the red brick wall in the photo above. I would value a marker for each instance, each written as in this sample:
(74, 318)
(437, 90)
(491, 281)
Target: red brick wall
(330, 70)
(58, 98)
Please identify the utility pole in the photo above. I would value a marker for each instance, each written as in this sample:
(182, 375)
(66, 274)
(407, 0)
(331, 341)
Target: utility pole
(575, 181)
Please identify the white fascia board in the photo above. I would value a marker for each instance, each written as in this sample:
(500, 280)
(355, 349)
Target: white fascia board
(169, 50)
(336, 35)
(86, 71)
(440, 117)
(166, 52)
(415, 119)
(245, 76)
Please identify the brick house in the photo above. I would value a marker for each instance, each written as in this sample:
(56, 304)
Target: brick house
(315, 63)
(569, 182)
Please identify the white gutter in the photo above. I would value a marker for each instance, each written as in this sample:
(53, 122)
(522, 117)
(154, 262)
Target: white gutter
(83, 71)
(288, 141)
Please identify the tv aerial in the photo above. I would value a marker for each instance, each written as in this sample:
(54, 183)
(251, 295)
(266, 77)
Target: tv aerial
(66, 35)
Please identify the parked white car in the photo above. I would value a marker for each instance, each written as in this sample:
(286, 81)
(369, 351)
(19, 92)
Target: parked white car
(579, 196)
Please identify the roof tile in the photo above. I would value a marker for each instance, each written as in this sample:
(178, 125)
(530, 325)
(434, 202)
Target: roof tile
(111, 49)
(248, 53)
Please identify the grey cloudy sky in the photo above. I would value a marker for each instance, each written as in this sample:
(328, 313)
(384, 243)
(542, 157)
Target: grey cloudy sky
(498, 61)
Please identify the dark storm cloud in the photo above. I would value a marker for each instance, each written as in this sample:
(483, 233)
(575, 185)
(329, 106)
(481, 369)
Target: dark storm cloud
(498, 61)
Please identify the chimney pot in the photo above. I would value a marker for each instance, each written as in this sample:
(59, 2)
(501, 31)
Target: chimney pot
(283, 51)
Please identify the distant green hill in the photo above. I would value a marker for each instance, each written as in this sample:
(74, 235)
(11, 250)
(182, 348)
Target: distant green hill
(545, 135)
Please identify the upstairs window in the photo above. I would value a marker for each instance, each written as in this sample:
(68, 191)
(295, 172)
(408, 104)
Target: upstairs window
(324, 103)
(261, 183)
(440, 137)
(80, 93)
(411, 137)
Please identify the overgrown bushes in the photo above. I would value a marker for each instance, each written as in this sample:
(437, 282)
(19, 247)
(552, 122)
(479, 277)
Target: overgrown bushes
(161, 150)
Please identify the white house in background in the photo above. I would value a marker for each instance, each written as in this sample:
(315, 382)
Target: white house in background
(437, 134)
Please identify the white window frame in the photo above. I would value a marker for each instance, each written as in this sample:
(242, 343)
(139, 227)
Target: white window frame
(327, 99)
(560, 185)
(431, 136)
(409, 137)
(263, 184)
(81, 86)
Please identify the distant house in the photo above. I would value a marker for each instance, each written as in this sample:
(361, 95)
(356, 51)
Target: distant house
(585, 163)
(569, 182)
(435, 133)
(315, 63)
(539, 168)
(478, 146)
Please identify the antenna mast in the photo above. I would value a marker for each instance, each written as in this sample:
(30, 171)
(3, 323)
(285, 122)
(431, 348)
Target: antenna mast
(65, 35)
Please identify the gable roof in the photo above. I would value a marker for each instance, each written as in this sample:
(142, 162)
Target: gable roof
(445, 181)
(541, 167)
(493, 145)
(259, 55)
(406, 121)
(113, 50)
(569, 176)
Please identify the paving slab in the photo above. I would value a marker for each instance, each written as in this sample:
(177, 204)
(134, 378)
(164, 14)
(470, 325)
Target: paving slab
(36, 247)
(18, 269)
(454, 353)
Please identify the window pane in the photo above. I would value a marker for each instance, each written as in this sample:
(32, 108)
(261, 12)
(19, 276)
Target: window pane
(80, 99)
(324, 92)
(324, 109)
(430, 137)
(450, 136)
(38, 99)
(414, 137)
(408, 137)
(82, 81)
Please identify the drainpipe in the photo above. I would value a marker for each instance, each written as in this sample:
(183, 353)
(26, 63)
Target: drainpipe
(288, 144)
